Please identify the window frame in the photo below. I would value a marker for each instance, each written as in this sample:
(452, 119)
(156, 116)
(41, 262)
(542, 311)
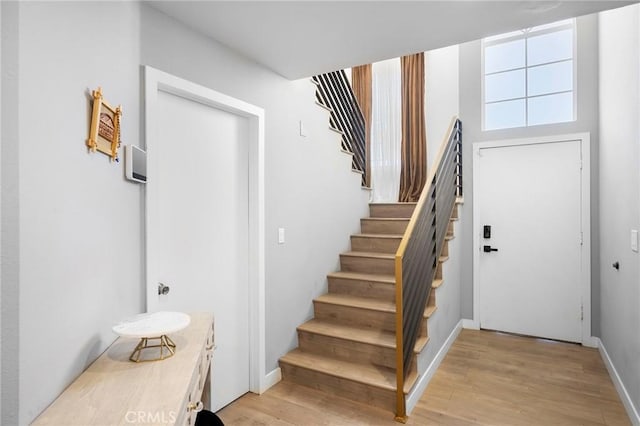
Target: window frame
(525, 34)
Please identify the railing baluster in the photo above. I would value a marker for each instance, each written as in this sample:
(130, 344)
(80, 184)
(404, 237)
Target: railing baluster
(334, 91)
(419, 251)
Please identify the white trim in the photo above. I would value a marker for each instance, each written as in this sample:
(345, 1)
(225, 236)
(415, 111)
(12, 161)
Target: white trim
(632, 411)
(156, 81)
(585, 273)
(271, 379)
(470, 324)
(418, 389)
(591, 342)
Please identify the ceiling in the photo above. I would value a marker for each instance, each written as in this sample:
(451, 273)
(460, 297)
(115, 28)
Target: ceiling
(301, 38)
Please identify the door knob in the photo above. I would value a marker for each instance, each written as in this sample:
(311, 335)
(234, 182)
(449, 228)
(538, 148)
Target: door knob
(163, 290)
(488, 249)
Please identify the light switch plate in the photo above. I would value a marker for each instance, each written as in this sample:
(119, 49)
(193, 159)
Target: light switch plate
(280, 235)
(303, 131)
(634, 240)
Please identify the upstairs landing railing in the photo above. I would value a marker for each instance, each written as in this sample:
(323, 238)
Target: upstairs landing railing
(417, 257)
(334, 92)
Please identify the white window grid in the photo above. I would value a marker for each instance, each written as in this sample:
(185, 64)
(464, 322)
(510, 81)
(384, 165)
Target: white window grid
(525, 34)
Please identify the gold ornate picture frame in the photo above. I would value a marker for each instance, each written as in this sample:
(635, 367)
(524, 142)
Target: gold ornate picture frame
(104, 133)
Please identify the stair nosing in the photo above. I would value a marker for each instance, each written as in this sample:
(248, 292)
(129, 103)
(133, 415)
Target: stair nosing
(432, 310)
(377, 255)
(382, 236)
(403, 203)
(383, 306)
(394, 219)
(437, 282)
(380, 278)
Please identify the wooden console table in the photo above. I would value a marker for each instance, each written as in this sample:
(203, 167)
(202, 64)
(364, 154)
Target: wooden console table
(116, 391)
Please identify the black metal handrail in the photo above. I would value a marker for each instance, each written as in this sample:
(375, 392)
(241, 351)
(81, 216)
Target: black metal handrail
(417, 257)
(334, 92)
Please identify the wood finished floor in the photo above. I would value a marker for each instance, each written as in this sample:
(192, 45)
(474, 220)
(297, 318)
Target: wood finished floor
(486, 378)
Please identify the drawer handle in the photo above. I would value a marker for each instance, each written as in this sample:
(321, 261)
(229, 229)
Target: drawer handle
(195, 406)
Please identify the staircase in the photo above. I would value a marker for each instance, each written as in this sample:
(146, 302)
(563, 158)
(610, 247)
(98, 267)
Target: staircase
(349, 347)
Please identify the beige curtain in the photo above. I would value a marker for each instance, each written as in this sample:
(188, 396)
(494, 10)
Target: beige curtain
(414, 140)
(361, 81)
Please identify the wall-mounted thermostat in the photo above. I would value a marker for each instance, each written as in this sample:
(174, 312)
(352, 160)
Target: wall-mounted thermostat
(135, 162)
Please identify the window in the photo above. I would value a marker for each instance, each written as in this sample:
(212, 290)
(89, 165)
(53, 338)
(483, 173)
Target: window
(528, 77)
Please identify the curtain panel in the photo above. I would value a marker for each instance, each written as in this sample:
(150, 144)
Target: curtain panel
(413, 171)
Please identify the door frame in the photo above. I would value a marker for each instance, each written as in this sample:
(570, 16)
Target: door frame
(158, 81)
(585, 256)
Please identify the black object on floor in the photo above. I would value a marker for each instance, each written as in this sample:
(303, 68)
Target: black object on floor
(207, 418)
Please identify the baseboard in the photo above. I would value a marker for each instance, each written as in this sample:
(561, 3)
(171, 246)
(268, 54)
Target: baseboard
(632, 412)
(470, 324)
(591, 342)
(419, 388)
(270, 379)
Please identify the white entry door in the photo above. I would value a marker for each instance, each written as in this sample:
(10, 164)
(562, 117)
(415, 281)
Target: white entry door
(529, 261)
(197, 228)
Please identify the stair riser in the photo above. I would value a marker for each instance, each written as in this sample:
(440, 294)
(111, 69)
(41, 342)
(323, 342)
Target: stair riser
(369, 265)
(355, 316)
(445, 249)
(438, 275)
(347, 349)
(391, 210)
(450, 229)
(376, 245)
(373, 290)
(383, 226)
(454, 212)
(338, 386)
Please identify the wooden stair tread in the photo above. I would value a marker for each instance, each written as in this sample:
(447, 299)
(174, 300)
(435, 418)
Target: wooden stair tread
(437, 283)
(429, 310)
(369, 336)
(421, 343)
(449, 237)
(357, 302)
(369, 254)
(408, 203)
(388, 219)
(361, 276)
(385, 339)
(385, 236)
(443, 259)
(368, 374)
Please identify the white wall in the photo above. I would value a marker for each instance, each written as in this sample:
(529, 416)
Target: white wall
(447, 316)
(72, 226)
(1, 38)
(587, 121)
(441, 95)
(310, 190)
(9, 216)
(80, 220)
(619, 44)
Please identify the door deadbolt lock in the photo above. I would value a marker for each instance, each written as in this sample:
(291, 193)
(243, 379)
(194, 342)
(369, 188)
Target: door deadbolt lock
(163, 290)
(488, 249)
